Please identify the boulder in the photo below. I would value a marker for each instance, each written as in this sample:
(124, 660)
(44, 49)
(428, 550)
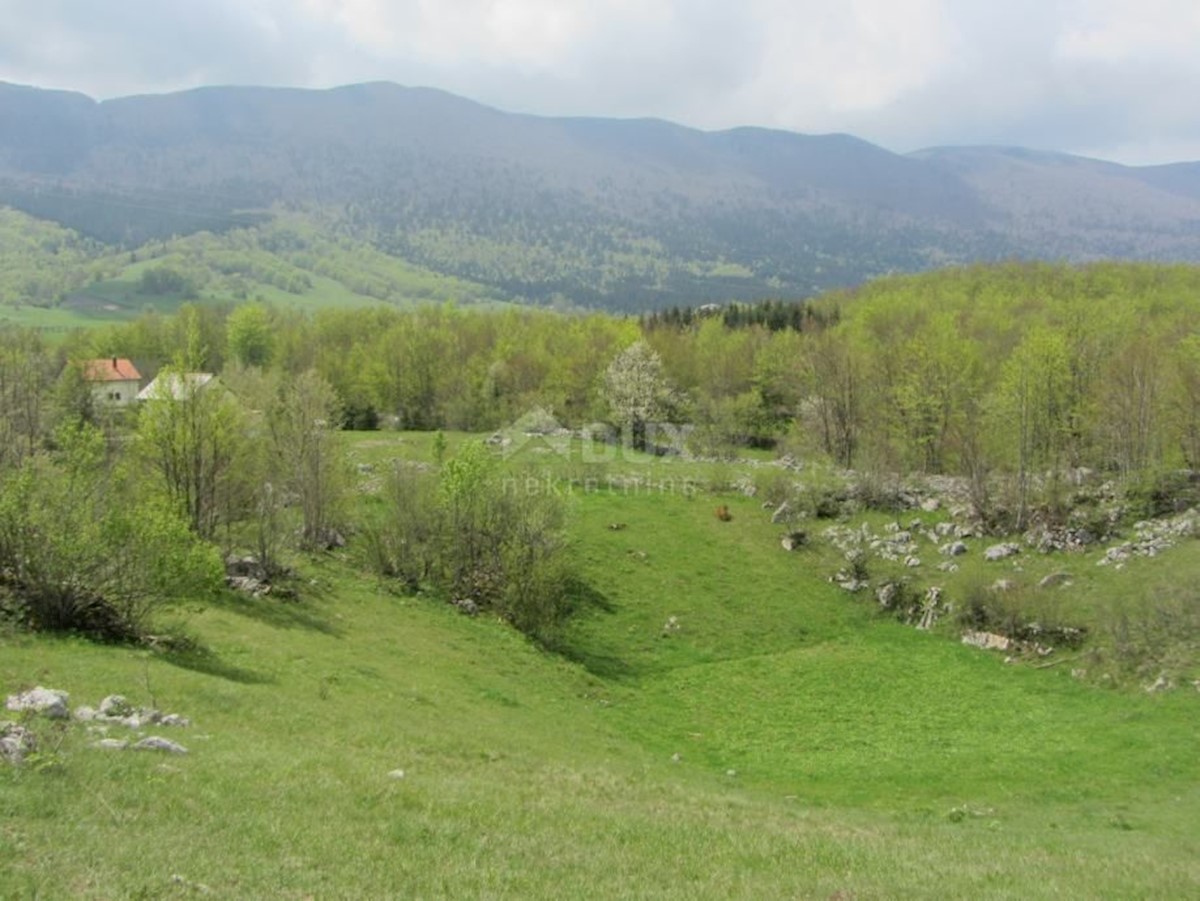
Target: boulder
(1054, 580)
(158, 743)
(988, 641)
(15, 742)
(47, 701)
(466, 606)
(115, 707)
(793, 540)
(953, 549)
(1001, 551)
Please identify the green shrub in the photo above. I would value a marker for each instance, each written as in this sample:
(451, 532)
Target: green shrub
(82, 550)
(474, 534)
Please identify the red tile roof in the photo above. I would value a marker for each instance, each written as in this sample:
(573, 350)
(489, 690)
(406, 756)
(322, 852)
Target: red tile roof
(114, 369)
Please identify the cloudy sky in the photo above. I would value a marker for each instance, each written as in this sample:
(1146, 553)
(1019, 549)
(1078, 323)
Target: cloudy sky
(1117, 79)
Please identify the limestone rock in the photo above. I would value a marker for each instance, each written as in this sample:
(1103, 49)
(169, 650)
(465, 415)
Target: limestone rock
(158, 743)
(1054, 580)
(988, 641)
(15, 742)
(115, 707)
(1001, 551)
(47, 701)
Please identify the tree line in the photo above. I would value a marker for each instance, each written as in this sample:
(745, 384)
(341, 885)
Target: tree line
(1010, 376)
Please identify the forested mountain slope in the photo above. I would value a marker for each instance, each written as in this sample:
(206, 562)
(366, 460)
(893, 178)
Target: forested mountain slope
(624, 214)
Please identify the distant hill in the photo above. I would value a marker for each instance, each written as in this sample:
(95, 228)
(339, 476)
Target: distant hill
(615, 213)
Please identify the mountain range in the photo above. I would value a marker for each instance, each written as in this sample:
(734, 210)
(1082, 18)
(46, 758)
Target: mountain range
(623, 214)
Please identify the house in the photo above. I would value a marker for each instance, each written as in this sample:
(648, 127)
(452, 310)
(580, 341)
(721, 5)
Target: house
(114, 381)
(177, 386)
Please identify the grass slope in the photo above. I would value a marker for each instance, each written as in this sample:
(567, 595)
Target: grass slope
(824, 752)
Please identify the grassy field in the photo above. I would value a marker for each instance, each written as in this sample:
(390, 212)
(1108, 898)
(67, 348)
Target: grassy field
(785, 741)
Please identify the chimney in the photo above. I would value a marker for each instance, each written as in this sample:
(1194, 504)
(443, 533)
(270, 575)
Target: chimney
(114, 362)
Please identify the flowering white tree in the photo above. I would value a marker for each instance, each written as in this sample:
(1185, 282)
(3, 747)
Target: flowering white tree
(637, 392)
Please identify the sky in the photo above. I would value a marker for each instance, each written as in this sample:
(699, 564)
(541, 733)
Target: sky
(1114, 79)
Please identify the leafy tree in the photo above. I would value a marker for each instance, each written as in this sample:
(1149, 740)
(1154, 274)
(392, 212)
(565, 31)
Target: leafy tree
(637, 392)
(249, 333)
(303, 423)
(191, 436)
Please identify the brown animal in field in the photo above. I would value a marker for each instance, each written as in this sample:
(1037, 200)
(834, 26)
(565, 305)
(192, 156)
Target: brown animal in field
(723, 513)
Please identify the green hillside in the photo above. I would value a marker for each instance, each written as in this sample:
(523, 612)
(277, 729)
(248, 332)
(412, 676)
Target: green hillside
(781, 739)
(53, 278)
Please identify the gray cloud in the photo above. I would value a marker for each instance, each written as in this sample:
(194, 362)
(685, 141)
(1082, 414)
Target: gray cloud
(1092, 76)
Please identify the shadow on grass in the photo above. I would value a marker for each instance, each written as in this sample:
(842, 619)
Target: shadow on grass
(590, 602)
(200, 659)
(276, 612)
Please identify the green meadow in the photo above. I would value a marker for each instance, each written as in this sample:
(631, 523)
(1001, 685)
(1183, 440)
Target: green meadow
(718, 720)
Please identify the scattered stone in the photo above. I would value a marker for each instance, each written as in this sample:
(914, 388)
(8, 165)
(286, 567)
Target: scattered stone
(671, 625)
(15, 742)
(247, 565)
(158, 743)
(912, 562)
(731, 773)
(953, 549)
(930, 609)
(85, 714)
(782, 513)
(1003, 585)
(396, 774)
(1001, 551)
(248, 585)
(988, 641)
(174, 719)
(676, 757)
(1054, 580)
(1078, 673)
(47, 701)
(1162, 683)
(931, 505)
(886, 594)
(947, 567)
(466, 606)
(111, 744)
(794, 540)
(616, 526)
(115, 707)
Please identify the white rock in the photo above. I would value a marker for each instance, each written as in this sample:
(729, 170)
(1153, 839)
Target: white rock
(48, 701)
(158, 743)
(15, 742)
(85, 714)
(115, 706)
(988, 641)
(111, 744)
(396, 774)
(1000, 551)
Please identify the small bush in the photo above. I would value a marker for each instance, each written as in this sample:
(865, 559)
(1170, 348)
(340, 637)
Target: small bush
(81, 550)
(473, 534)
